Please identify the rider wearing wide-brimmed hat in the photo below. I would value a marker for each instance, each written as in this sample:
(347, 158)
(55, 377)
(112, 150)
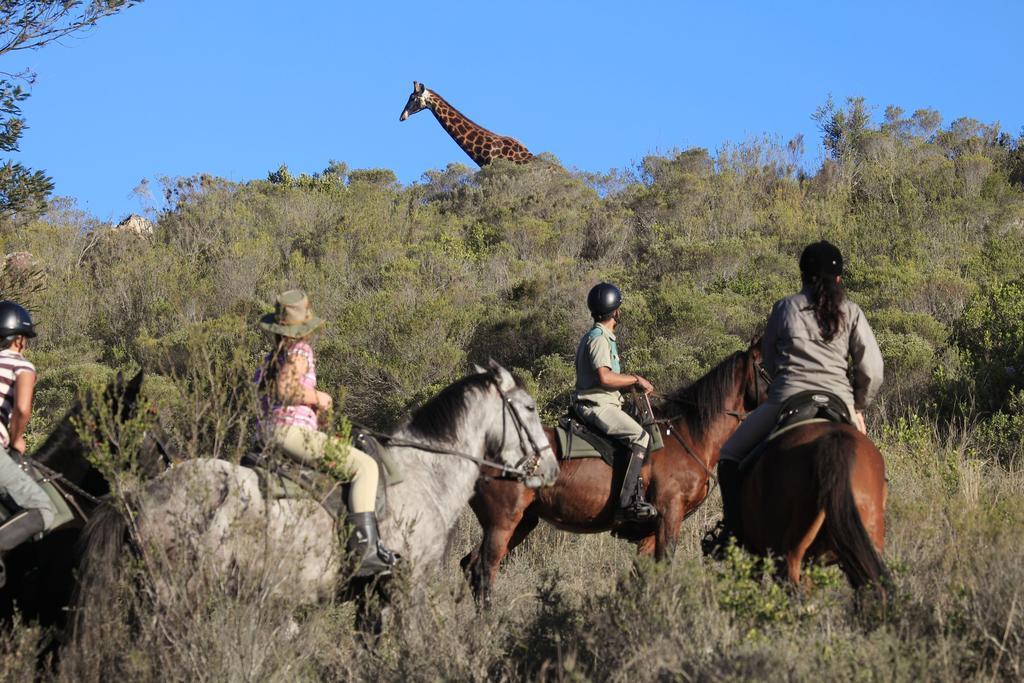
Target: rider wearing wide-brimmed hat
(292, 411)
(17, 387)
(815, 340)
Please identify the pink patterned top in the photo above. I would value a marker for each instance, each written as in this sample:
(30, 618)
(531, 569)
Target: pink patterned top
(277, 415)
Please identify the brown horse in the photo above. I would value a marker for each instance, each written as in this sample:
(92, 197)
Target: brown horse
(819, 491)
(585, 495)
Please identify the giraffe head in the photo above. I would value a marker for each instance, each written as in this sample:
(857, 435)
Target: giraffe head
(418, 101)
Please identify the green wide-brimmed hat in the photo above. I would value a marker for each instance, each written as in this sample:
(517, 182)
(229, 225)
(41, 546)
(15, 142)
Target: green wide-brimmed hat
(292, 316)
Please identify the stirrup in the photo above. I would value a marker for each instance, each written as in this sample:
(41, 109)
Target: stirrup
(379, 563)
(637, 511)
(716, 541)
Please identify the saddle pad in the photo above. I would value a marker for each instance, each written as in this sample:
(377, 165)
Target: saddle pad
(572, 444)
(390, 468)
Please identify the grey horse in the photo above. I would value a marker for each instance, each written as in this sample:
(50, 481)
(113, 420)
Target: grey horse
(211, 518)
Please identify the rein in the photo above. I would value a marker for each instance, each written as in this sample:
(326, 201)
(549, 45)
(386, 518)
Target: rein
(59, 480)
(521, 471)
(760, 375)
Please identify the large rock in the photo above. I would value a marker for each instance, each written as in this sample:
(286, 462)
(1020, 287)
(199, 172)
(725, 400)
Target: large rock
(135, 224)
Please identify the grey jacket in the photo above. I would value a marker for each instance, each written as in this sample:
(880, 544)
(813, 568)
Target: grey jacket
(800, 360)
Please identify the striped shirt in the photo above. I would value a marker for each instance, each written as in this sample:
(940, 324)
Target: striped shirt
(12, 364)
(279, 415)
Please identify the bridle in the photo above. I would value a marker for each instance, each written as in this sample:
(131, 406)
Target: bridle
(760, 375)
(524, 469)
(528, 464)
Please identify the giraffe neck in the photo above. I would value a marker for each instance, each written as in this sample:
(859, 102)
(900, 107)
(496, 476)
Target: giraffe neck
(466, 134)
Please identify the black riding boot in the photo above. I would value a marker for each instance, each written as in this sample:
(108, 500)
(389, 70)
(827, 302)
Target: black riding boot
(16, 531)
(717, 541)
(632, 505)
(365, 547)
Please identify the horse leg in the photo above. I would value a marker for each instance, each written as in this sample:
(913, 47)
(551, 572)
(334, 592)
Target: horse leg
(522, 530)
(795, 557)
(371, 600)
(670, 521)
(645, 547)
(493, 549)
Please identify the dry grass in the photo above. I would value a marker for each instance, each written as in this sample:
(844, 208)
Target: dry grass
(581, 608)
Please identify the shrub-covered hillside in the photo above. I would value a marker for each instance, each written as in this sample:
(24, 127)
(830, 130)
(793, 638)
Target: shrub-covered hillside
(419, 281)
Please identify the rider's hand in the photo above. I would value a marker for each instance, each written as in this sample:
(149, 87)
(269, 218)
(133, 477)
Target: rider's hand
(19, 445)
(324, 402)
(644, 385)
(858, 420)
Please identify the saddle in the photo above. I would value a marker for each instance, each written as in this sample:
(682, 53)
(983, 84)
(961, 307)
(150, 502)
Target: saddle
(804, 408)
(282, 478)
(808, 406)
(63, 512)
(577, 439)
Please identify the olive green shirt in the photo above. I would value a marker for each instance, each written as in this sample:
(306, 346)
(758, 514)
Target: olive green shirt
(597, 349)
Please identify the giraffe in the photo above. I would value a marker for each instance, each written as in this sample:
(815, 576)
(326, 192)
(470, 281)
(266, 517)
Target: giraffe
(480, 144)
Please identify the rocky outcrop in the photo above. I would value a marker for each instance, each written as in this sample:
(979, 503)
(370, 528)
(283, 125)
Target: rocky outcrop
(136, 225)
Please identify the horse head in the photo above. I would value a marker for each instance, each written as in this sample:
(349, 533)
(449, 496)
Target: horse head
(65, 451)
(515, 435)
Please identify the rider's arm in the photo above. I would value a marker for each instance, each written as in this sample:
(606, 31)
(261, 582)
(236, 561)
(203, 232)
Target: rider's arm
(601, 360)
(21, 411)
(868, 366)
(610, 379)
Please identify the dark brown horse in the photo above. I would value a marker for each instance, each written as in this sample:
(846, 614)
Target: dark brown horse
(585, 495)
(819, 492)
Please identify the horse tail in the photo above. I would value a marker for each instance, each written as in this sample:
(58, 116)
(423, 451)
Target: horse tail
(857, 554)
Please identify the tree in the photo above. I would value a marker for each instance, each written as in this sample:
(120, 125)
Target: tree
(30, 25)
(842, 130)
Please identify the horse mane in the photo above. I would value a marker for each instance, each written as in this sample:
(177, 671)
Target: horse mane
(438, 419)
(58, 439)
(702, 401)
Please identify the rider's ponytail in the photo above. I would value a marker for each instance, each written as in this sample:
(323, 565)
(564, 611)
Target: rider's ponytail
(821, 265)
(827, 301)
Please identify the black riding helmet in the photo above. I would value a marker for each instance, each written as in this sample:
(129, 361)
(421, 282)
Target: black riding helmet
(821, 258)
(15, 321)
(603, 300)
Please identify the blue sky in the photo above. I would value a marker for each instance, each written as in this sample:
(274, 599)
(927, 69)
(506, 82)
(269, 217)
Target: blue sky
(178, 87)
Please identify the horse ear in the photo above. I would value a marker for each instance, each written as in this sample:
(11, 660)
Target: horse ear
(135, 384)
(479, 369)
(130, 395)
(504, 378)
